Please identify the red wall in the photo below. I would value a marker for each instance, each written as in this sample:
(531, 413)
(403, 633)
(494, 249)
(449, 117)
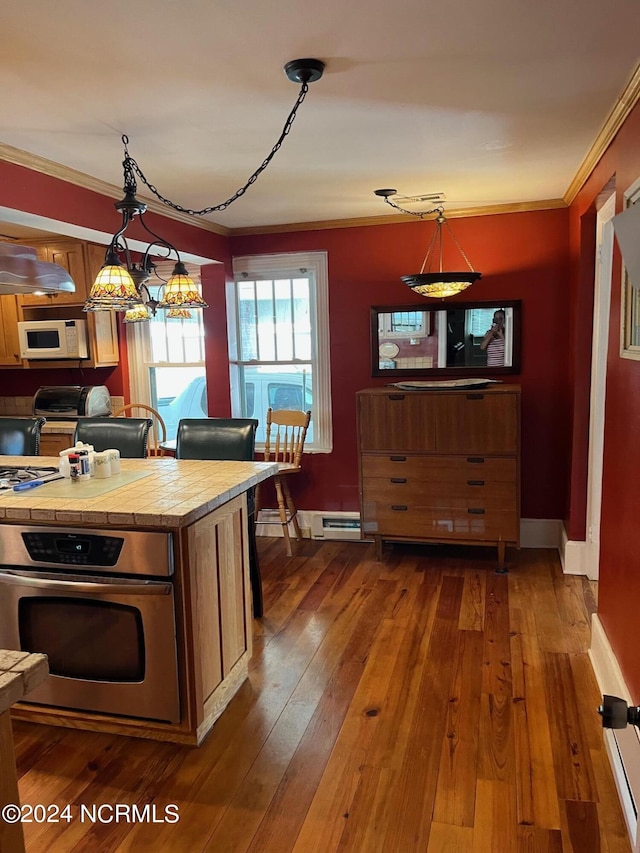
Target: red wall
(619, 587)
(522, 256)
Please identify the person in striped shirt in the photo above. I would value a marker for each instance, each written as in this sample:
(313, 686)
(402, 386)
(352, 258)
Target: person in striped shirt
(493, 341)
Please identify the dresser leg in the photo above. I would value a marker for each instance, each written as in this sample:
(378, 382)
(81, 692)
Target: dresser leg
(502, 548)
(378, 541)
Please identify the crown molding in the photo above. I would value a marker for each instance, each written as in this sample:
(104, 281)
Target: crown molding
(79, 179)
(395, 219)
(614, 121)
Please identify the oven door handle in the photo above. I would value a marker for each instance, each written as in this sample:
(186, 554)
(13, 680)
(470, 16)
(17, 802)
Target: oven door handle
(139, 588)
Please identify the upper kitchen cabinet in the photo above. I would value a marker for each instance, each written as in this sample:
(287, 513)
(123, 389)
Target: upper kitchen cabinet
(72, 255)
(102, 325)
(83, 261)
(9, 344)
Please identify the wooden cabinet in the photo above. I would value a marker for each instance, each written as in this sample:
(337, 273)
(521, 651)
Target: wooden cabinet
(69, 254)
(51, 443)
(440, 466)
(83, 261)
(9, 344)
(219, 613)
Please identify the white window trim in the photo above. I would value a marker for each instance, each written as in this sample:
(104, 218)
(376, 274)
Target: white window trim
(271, 266)
(139, 361)
(629, 295)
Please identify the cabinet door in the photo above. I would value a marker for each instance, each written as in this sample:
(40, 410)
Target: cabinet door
(102, 325)
(51, 443)
(70, 255)
(9, 344)
(395, 422)
(103, 338)
(477, 423)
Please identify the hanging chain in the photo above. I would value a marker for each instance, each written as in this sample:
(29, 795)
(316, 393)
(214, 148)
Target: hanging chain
(421, 214)
(440, 221)
(131, 166)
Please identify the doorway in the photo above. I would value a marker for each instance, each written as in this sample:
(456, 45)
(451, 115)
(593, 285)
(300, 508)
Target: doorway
(599, 348)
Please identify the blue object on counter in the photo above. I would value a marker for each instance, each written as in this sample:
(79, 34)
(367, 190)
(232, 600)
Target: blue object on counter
(31, 484)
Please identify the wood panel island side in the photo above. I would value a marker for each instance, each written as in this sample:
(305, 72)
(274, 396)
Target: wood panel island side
(203, 505)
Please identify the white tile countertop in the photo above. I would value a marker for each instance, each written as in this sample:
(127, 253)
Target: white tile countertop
(20, 672)
(163, 492)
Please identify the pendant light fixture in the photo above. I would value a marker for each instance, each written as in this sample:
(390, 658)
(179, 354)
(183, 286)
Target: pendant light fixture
(118, 285)
(437, 284)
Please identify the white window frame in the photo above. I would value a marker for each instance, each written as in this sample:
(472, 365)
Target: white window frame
(290, 265)
(630, 302)
(140, 361)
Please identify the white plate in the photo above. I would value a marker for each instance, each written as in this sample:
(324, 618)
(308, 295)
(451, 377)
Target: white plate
(388, 350)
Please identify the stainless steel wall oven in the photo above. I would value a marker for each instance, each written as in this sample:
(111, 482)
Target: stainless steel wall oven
(100, 604)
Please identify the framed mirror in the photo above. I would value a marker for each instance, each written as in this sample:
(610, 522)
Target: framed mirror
(454, 339)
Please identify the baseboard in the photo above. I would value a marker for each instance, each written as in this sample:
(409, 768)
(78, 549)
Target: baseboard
(573, 554)
(623, 745)
(269, 524)
(534, 532)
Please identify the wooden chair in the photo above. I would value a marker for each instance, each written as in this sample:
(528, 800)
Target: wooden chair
(158, 432)
(284, 443)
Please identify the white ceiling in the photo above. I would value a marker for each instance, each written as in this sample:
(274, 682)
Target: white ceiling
(487, 101)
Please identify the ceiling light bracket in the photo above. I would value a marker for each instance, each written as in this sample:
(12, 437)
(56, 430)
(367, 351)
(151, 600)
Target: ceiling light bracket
(304, 70)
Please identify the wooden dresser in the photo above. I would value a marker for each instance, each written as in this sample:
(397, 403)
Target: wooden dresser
(440, 466)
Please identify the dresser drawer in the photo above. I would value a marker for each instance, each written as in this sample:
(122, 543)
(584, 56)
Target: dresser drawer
(431, 493)
(386, 519)
(443, 469)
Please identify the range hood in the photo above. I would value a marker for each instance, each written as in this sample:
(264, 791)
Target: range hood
(22, 272)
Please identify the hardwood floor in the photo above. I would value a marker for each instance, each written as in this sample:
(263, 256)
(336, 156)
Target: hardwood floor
(424, 703)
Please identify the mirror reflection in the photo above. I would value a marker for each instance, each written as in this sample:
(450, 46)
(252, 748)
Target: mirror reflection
(414, 339)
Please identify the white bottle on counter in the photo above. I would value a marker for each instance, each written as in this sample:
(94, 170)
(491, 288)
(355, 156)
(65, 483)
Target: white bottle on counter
(114, 456)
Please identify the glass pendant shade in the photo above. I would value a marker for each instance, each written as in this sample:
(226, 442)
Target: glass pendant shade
(440, 285)
(179, 314)
(113, 288)
(138, 313)
(181, 291)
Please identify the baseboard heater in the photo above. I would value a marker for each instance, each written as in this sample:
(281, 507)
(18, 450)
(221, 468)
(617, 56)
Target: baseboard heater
(314, 524)
(339, 525)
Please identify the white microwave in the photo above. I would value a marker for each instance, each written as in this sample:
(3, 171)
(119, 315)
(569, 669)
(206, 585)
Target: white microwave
(53, 339)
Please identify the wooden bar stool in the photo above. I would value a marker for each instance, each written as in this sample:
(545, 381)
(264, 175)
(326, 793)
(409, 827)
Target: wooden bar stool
(284, 443)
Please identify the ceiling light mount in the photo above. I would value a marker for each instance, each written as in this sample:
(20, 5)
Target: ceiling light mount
(304, 70)
(437, 284)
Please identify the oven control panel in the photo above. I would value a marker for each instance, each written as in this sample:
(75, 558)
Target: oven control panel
(124, 552)
(73, 548)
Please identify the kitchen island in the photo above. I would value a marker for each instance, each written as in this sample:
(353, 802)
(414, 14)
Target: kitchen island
(201, 508)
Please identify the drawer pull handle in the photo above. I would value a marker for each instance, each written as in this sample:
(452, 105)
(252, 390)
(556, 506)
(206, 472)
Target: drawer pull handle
(475, 459)
(399, 508)
(398, 479)
(475, 482)
(396, 396)
(475, 396)
(475, 511)
(397, 458)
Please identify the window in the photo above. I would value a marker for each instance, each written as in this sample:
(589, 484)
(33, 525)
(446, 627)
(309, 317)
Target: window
(166, 365)
(279, 340)
(403, 324)
(630, 335)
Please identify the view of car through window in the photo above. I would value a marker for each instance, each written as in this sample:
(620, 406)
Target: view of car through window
(275, 390)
